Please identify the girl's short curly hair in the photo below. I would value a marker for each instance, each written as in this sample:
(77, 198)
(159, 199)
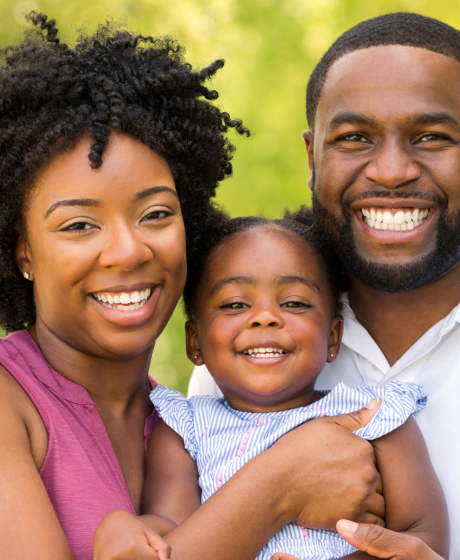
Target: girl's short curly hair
(221, 229)
(51, 95)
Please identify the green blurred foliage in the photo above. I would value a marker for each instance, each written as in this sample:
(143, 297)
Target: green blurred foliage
(270, 46)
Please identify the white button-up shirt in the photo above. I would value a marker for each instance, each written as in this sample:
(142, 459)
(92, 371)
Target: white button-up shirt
(433, 362)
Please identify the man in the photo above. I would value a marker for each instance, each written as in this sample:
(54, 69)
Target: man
(383, 106)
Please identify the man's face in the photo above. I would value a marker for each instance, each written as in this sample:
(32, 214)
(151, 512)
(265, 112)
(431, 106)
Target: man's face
(386, 160)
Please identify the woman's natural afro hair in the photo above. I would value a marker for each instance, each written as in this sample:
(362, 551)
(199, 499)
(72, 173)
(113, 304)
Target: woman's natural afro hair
(51, 95)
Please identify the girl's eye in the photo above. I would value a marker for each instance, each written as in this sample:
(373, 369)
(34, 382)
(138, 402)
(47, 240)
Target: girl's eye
(295, 305)
(157, 215)
(235, 305)
(78, 226)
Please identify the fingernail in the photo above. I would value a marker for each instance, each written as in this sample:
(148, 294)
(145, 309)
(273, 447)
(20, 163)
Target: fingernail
(347, 526)
(372, 404)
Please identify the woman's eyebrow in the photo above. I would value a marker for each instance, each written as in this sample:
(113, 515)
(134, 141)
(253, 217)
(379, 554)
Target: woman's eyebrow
(306, 280)
(73, 202)
(154, 190)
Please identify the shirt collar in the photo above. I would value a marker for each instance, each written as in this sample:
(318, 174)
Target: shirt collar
(358, 339)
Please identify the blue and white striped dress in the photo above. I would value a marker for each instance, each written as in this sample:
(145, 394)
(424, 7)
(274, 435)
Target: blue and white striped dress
(221, 440)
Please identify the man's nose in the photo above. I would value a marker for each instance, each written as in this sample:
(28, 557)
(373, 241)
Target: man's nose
(125, 249)
(265, 316)
(393, 166)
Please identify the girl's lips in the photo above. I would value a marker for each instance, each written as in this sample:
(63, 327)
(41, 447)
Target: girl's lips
(265, 361)
(128, 318)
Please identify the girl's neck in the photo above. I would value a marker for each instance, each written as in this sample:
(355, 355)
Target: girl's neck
(116, 386)
(269, 403)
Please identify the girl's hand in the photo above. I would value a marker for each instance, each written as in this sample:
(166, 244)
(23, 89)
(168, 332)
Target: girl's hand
(382, 543)
(122, 536)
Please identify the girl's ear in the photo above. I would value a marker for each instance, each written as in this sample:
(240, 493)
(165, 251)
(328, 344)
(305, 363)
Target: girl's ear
(335, 338)
(193, 344)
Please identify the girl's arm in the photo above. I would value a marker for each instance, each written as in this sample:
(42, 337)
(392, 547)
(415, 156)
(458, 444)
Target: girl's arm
(415, 503)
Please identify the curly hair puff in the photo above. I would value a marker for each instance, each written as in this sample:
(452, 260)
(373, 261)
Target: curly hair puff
(221, 229)
(51, 95)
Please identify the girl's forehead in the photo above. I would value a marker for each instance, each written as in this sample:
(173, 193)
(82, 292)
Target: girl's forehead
(263, 252)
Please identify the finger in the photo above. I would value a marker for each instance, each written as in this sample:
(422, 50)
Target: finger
(382, 543)
(372, 519)
(375, 505)
(284, 556)
(161, 547)
(355, 420)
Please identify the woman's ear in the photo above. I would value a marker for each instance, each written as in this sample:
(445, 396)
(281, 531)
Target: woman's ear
(23, 258)
(335, 338)
(308, 139)
(193, 344)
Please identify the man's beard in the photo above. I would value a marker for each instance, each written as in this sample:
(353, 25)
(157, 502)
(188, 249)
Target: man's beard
(390, 277)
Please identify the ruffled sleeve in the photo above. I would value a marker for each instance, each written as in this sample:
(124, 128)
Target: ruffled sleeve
(178, 413)
(399, 401)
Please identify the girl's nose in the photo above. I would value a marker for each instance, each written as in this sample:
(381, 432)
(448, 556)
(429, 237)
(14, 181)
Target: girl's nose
(267, 316)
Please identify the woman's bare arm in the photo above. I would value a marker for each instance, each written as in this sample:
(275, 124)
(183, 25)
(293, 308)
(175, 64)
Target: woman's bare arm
(29, 528)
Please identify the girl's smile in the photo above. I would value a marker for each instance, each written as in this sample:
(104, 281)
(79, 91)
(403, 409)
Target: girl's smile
(264, 320)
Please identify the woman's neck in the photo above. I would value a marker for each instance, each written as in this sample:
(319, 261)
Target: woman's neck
(117, 387)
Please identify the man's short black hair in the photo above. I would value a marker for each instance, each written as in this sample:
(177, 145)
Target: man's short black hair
(51, 95)
(400, 28)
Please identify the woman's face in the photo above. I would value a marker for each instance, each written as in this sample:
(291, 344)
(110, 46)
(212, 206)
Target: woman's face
(105, 248)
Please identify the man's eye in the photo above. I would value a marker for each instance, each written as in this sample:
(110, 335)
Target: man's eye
(431, 136)
(78, 226)
(157, 215)
(236, 305)
(354, 138)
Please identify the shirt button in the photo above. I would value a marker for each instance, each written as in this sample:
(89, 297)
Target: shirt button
(375, 368)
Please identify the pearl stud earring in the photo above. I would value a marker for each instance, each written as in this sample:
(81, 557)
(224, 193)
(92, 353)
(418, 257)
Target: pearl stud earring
(332, 355)
(26, 275)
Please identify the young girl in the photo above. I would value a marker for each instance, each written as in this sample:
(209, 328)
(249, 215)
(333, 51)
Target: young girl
(263, 307)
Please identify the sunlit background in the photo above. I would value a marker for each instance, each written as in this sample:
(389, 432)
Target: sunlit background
(270, 48)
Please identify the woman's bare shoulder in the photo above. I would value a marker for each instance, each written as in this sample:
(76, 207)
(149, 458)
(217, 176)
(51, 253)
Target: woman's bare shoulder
(18, 412)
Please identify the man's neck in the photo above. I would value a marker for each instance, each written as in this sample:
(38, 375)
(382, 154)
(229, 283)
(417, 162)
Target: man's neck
(397, 321)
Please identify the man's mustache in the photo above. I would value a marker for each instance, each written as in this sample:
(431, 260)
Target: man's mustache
(394, 195)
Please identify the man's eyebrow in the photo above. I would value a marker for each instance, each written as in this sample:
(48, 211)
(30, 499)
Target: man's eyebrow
(232, 280)
(153, 190)
(432, 118)
(306, 280)
(352, 118)
(73, 202)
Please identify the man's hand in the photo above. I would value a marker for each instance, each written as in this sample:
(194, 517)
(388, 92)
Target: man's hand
(331, 471)
(122, 536)
(383, 543)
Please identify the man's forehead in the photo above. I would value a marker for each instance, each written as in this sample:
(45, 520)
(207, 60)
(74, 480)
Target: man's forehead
(384, 79)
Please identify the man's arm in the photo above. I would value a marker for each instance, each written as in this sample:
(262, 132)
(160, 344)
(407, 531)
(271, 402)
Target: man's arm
(415, 503)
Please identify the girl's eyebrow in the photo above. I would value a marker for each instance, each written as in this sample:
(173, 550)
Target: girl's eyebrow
(233, 280)
(154, 190)
(73, 202)
(306, 280)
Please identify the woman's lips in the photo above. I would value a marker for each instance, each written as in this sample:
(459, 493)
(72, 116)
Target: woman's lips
(126, 314)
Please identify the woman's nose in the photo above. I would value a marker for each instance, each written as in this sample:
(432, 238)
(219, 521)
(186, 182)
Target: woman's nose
(125, 249)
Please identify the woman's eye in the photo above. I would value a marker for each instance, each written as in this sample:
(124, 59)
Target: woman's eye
(236, 305)
(78, 226)
(157, 215)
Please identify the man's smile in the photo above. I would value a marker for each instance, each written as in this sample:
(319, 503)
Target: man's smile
(395, 219)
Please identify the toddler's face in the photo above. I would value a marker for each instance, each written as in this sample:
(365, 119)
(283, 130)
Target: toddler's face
(264, 321)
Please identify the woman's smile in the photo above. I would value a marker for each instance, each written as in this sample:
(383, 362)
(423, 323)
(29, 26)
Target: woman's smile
(126, 308)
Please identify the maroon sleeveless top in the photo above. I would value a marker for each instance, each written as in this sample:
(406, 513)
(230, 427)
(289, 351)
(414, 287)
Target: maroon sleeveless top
(80, 472)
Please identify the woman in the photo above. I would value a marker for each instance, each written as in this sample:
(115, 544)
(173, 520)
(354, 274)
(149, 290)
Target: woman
(109, 157)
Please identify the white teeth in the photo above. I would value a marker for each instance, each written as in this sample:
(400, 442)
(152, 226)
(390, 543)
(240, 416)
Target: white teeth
(400, 221)
(124, 301)
(265, 352)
